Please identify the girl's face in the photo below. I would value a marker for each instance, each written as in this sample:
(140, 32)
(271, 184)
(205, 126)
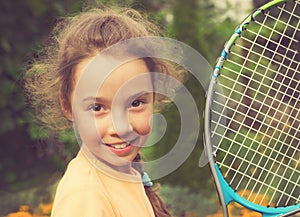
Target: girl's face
(114, 119)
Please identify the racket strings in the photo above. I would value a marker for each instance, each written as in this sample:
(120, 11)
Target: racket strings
(249, 177)
(281, 198)
(290, 105)
(281, 90)
(259, 49)
(274, 150)
(261, 27)
(261, 112)
(272, 179)
(294, 11)
(283, 173)
(239, 133)
(265, 147)
(288, 119)
(255, 53)
(279, 21)
(234, 85)
(292, 160)
(257, 166)
(273, 43)
(277, 110)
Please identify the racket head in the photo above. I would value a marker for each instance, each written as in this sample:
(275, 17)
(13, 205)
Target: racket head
(252, 117)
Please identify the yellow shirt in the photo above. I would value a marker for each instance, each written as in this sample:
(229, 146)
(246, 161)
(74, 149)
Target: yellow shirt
(90, 188)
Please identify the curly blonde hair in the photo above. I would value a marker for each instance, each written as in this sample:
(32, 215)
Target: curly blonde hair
(50, 79)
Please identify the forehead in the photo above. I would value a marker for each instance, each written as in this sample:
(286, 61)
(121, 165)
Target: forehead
(110, 75)
(131, 70)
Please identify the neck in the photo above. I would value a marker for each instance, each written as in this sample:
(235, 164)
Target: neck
(120, 165)
(124, 168)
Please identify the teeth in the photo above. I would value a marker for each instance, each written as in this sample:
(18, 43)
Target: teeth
(120, 146)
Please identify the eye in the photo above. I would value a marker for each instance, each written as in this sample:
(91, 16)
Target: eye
(96, 108)
(137, 103)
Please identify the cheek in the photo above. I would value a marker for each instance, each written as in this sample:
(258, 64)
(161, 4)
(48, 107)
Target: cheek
(142, 124)
(87, 128)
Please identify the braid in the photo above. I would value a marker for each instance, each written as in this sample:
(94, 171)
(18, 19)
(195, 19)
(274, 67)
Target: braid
(159, 207)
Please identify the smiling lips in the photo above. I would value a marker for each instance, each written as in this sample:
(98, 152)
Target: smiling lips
(119, 146)
(120, 149)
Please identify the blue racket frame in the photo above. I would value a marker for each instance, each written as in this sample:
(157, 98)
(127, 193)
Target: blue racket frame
(225, 192)
(230, 195)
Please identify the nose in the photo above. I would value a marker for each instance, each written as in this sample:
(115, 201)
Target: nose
(119, 125)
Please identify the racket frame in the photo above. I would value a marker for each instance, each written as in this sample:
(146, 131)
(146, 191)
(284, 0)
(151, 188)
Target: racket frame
(225, 193)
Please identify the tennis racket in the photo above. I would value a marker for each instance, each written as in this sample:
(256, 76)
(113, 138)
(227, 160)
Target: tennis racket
(252, 113)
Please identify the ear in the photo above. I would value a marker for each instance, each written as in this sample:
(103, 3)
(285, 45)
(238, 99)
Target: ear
(66, 108)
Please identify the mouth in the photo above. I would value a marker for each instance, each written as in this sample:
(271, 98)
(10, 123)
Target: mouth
(118, 146)
(120, 149)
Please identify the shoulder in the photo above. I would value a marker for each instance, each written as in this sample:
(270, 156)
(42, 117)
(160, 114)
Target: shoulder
(80, 175)
(80, 193)
(79, 170)
(82, 203)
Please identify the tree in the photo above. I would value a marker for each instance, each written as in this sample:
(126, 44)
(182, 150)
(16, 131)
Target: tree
(24, 163)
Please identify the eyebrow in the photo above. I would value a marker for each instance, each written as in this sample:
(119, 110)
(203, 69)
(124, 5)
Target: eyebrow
(105, 100)
(95, 99)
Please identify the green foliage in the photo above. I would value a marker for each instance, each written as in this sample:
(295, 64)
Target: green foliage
(25, 159)
(42, 192)
(198, 24)
(182, 200)
(189, 174)
(24, 24)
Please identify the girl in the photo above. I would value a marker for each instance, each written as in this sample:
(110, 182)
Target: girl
(105, 178)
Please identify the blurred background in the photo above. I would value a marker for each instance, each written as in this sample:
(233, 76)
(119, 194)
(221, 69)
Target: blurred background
(32, 159)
